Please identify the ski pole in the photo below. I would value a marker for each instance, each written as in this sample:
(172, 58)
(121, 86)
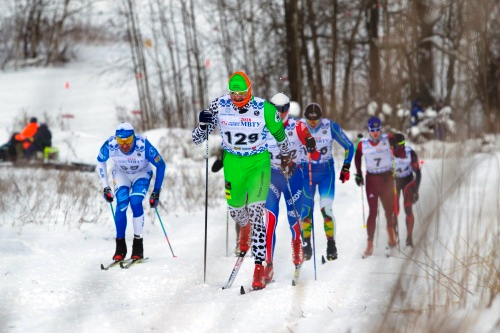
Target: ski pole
(206, 211)
(312, 213)
(164, 232)
(360, 136)
(112, 211)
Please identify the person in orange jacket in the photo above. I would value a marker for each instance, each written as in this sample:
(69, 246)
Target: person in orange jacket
(27, 133)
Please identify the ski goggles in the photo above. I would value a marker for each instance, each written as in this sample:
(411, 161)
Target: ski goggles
(374, 129)
(125, 141)
(282, 108)
(239, 92)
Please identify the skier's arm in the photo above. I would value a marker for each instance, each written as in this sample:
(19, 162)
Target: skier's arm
(101, 164)
(199, 134)
(416, 168)
(339, 135)
(275, 126)
(304, 136)
(357, 157)
(154, 157)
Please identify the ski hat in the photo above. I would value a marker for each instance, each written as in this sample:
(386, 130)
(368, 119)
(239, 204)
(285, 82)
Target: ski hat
(313, 112)
(282, 104)
(399, 139)
(124, 131)
(33, 120)
(239, 81)
(374, 124)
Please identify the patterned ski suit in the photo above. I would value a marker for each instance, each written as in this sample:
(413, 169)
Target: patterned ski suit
(297, 133)
(247, 164)
(323, 175)
(132, 175)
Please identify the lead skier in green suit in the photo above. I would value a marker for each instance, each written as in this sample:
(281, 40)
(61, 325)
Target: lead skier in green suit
(245, 122)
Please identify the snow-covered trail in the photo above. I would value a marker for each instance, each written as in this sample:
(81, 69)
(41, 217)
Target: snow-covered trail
(51, 279)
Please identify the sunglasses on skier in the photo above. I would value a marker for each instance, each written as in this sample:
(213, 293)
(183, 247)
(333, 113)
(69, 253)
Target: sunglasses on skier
(125, 141)
(239, 92)
(282, 108)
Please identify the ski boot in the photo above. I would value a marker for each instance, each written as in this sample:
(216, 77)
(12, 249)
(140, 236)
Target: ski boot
(331, 250)
(369, 249)
(258, 277)
(121, 249)
(268, 272)
(244, 238)
(307, 249)
(409, 241)
(137, 248)
(392, 237)
(297, 253)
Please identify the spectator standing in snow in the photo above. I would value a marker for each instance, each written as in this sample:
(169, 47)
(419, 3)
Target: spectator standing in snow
(132, 155)
(379, 179)
(300, 140)
(324, 131)
(406, 164)
(416, 111)
(245, 122)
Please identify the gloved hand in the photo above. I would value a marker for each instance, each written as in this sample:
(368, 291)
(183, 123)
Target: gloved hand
(344, 173)
(414, 196)
(108, 194)
(310, 144)
(154, 199)
(206, 117)
(287, 165)
(218, 164)
(359, 179)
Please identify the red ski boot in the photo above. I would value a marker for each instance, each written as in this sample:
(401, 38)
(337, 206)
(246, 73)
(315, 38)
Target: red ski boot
(258, 277)
(268, 272)
(244, 238)
(297, 253)
(121, 249)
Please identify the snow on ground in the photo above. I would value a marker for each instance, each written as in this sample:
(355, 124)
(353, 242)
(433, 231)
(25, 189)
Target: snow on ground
(50, 279)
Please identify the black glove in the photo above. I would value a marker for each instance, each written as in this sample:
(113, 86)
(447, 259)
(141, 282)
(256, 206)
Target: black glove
(344, 173)
(287, 165)
(359, 179)
(206, 117)
(154, 199)
(217, 165)
(108, 194)
(414, 196)
(310, 144)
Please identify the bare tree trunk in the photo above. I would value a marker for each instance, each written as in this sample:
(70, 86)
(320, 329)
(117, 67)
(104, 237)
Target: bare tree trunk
(293, 49)
(320, 97)
(333, 87)
(372, 17)
(351, 43)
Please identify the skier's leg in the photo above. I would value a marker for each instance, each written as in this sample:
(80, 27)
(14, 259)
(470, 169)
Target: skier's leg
(272, 211)
(140, 187)
(326, 190)
(409, 212)
(387, 198)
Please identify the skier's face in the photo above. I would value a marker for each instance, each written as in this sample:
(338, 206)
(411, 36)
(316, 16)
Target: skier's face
(125, 148)
(313, 123)
(375, 135)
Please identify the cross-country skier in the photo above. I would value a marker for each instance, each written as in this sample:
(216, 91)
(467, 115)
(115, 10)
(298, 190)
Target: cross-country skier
(246, 122)
(379, 179)
(132, 155)
(324, 131)
(298, 136)
(406, 164)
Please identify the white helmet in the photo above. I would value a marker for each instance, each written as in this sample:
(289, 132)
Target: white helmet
(294, 110)
(280, 99)
(282, 104)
